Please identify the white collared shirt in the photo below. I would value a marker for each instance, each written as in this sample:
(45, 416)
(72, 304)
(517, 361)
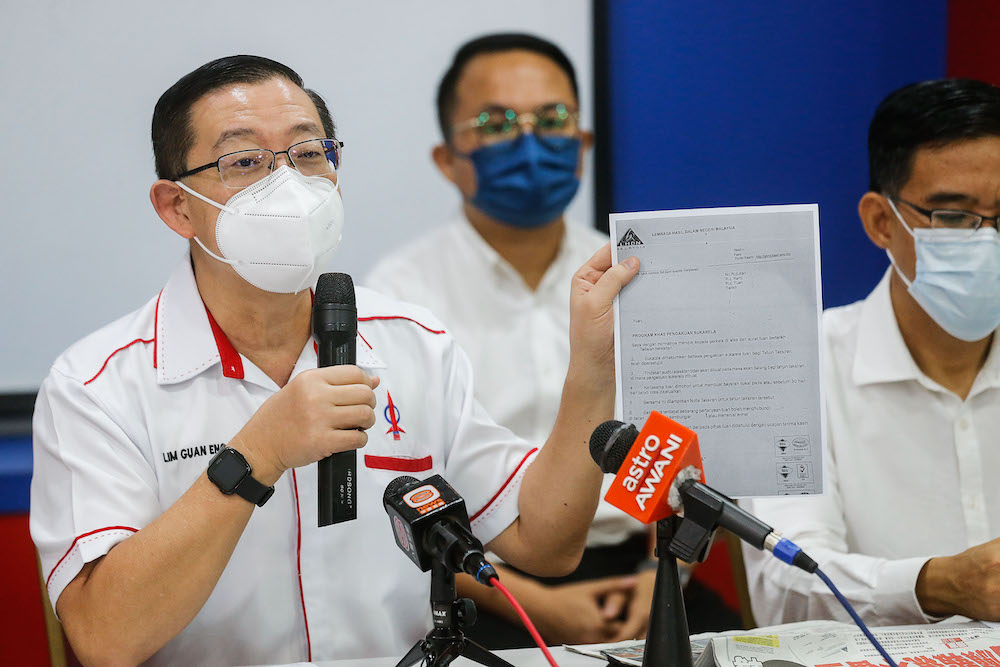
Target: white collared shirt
(129, 417)
(517, 339)
(911, 475)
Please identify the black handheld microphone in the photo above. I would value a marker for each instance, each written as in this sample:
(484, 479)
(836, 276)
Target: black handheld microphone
(431, 525)
(335, 329)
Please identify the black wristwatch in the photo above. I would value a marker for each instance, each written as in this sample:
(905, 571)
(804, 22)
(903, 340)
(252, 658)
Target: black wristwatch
(229, 471)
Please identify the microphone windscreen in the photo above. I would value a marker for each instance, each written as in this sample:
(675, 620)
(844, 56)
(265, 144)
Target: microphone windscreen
(335, 288)
(610, 444)
(393, 488)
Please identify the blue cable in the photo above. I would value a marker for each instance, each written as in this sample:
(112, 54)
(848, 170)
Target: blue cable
(854, 615)
(787, 551)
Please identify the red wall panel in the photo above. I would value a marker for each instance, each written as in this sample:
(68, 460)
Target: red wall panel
(22, 623)
(972, 49)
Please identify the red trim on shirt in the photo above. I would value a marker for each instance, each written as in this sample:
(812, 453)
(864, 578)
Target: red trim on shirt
(399, 317)
(232, 365)
(156, 325)
(365, 341)
(509, 479)
(105, 365)
(298, 563)
(398, 464)
(80, 537)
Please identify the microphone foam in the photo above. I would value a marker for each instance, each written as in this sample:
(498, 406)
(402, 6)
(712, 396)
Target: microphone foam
(610, 444)
(395, 486)
(335, 288)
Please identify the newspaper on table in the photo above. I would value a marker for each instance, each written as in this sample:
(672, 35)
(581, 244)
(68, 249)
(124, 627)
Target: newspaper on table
(965, 645)
(828, 644)
(630, 651)
(720, 332)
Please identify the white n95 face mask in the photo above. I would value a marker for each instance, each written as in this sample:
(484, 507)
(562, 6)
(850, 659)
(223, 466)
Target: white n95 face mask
(279, 232)
(957, 281)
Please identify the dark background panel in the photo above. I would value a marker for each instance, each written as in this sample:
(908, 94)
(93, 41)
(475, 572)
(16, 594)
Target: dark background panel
(731, 104)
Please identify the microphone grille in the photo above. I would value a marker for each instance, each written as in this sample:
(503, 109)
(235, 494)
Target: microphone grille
(335, 288)
(395, 486)
(610, 444)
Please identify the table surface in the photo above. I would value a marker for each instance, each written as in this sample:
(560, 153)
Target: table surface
(520, 657)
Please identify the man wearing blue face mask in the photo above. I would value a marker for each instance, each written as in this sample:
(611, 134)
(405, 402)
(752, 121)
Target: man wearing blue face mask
(513, 146)
(910, 524)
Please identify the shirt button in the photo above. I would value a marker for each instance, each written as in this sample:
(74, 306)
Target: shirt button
(963, 424)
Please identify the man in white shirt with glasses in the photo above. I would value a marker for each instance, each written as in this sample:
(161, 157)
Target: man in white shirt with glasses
(909, 527)
(173, 500)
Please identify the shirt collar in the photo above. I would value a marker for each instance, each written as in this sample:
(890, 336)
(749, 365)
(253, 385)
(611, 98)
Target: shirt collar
(882, 355)
(189, 341)
(989, 374)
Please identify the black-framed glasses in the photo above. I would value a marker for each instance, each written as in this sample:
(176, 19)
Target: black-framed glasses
(495, 125)
(946, 218)
(314, 157)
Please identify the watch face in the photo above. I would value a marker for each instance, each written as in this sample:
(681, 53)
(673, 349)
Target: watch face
(228, 469)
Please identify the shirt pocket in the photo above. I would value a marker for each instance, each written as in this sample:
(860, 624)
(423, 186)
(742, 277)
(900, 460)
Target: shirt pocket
(404, 464)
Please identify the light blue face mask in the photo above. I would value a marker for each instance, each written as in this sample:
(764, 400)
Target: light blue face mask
(958, 278)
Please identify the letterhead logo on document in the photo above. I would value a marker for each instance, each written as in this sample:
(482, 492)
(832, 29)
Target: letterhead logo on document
(629, 239)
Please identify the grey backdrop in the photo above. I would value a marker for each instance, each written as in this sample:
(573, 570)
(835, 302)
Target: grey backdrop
(82, 245)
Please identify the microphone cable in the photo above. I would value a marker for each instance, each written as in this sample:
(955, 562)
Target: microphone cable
(527, 621)
(788, 552)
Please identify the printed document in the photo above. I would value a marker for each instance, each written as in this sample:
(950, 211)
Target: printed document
(720, 332)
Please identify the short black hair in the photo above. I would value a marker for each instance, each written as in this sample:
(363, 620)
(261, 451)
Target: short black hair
(171, 128)
(447, 96)
(927, 114)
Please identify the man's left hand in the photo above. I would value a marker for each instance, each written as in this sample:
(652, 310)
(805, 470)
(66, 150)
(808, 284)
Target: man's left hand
(595, 286)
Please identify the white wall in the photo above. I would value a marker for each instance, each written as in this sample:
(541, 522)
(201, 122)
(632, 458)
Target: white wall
(81, 244)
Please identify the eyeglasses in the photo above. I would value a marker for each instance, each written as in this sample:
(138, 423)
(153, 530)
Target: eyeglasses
(315, 157)
(945, 218)
(496, 125)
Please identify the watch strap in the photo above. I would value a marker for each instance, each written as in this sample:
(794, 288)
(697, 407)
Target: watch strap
(254, 491)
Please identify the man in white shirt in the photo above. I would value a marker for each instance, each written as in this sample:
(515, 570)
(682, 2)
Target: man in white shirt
(508, 107)
(156, 437)
(909, 525)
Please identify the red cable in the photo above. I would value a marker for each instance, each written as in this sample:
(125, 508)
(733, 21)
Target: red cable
(524, 618)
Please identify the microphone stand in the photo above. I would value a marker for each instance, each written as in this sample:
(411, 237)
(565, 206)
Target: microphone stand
(446, 640)
(668, 642)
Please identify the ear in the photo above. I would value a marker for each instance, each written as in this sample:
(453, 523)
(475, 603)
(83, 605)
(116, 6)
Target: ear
(444, 158)
(170, 203)
(586, 143)
(878, 219)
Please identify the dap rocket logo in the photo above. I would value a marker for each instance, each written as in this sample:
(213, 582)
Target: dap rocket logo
(391, 415)
(630, 238)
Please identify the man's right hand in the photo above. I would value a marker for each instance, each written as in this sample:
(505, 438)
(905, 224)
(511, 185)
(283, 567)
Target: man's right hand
(967, 583)
(318, 413)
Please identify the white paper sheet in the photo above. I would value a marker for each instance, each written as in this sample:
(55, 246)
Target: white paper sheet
(720, 332)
